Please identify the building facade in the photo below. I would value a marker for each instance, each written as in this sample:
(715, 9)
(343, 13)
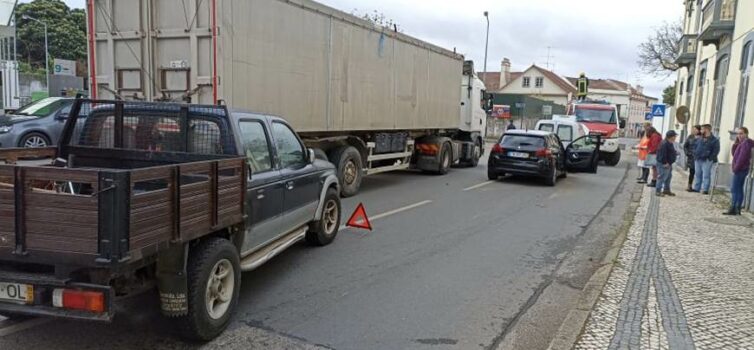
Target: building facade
(715, 61)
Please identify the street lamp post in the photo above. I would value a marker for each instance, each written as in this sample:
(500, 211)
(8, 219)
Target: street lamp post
(47, 51)
(486, 42)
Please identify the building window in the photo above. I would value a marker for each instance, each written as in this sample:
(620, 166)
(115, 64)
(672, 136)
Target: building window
(747, 63)
(527, 82)
(539, 82)
(721, 74)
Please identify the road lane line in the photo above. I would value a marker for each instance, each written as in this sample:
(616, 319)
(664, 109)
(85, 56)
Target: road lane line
(22, 326)
(477, 186)
(393, 212)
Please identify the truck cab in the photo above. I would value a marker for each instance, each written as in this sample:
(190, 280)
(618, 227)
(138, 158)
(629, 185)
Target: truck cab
(601, 118)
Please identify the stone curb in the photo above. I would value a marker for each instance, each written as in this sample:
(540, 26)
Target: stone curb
(574, 323)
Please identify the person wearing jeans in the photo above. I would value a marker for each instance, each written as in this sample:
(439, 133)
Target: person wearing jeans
(742, 150)
(706, 151)
(666, 157)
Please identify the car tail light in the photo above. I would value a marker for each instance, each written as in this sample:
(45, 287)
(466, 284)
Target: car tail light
(428, 149)
(498, 149)
(544, 153)
(79, 300)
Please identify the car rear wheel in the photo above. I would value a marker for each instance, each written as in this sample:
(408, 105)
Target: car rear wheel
(34, 140)
(552, 178)
(323, 232)
(491, 175)
(214, 280)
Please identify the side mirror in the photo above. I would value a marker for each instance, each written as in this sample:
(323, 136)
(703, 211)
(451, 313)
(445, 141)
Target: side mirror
(312, 155)
(622, 123)
(61, 116)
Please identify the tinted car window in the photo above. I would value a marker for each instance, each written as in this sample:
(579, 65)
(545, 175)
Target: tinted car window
(547, 127)
(255, 146)
(290, 150)
(513, 141)
(565, 132)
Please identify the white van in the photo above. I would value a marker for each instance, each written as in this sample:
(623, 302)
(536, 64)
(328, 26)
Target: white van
(565, 126)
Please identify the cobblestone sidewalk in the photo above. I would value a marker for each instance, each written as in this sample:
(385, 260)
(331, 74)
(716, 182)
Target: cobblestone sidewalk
(683, 280)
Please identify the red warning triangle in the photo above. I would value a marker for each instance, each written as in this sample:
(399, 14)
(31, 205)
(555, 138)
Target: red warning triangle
(359, 219)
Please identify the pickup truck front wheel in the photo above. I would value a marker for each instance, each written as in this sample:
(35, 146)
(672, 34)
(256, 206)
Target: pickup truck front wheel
(214, 281)
(323, 232)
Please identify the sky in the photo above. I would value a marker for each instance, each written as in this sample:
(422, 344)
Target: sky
(598, 37)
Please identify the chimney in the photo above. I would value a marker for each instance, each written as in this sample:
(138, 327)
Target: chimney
(505, 72)
(640, 89)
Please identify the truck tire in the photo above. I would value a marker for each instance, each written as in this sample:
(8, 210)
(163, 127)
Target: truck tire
(323, 232)
(476, 155)
(350, 169)
(612, 159)
(445, 160)
(214, 269)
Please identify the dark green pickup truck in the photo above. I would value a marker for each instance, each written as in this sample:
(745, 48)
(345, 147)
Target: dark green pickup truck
(142, 195)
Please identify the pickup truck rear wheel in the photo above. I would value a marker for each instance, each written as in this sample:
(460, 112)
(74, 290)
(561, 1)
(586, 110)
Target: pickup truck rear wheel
(214, 281)
(350, 169)
(323, 232)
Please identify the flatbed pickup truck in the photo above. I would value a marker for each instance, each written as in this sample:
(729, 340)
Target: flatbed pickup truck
(142, 195)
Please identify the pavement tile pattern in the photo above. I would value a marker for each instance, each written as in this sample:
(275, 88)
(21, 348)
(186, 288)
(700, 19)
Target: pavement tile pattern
(683, 280)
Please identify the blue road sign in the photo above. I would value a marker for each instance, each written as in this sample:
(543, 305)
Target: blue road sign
(658, 110)
(648, 116)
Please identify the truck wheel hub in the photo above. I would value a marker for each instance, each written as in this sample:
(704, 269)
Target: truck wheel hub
(350, 172)
(220, 286)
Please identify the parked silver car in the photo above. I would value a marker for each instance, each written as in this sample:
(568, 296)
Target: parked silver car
(37, 124)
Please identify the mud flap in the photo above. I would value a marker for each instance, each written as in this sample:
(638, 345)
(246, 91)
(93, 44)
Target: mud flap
(172, 282)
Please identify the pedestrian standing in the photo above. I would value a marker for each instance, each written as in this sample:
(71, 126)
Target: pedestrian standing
(706, 151)
(510, 126)
(666, 157)
(643, 150)
(742, 150)
(688, 149)
(654, 144)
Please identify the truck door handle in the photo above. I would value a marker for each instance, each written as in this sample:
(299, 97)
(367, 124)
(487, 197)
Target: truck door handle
(289, 185)
(260, 194)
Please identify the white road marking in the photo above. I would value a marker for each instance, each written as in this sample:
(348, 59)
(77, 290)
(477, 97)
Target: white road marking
(22, 326)
(554, 195)
(393, 212)
(477, 186)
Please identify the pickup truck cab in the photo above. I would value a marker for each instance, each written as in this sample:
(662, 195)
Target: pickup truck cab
(140, 195)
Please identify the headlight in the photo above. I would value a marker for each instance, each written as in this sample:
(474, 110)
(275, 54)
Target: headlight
(6, 129)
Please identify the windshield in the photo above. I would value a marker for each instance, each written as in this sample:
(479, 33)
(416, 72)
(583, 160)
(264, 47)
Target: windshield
(514, 141)
(595, 115)
(43, 107)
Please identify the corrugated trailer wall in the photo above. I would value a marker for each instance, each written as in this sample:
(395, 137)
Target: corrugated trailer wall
(321, 69)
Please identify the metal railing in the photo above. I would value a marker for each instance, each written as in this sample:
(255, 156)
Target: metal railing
(718, 11)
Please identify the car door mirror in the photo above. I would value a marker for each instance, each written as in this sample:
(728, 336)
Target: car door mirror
(312, 155)
(622, 123)
(62, 115)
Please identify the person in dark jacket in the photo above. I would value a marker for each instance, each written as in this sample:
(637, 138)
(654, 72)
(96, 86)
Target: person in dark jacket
(666, 157)
(742, 151)
(510, 126)
(688, 149)
(706, 151)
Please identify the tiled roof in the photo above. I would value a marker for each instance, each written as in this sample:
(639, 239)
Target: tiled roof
(491, 80)
(564, 84)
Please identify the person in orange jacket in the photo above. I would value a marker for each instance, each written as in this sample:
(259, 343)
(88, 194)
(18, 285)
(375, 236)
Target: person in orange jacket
(643, 149)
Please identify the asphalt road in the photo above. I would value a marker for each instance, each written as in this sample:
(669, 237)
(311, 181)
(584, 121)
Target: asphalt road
(453, 262)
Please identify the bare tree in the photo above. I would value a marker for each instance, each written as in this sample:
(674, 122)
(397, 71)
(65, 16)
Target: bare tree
(657, 55)
(378, 19)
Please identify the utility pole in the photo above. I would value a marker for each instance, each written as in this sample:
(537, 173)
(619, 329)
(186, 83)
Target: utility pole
(47, 50)
(486, 42)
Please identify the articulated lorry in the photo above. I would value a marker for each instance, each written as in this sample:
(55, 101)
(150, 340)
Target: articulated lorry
(368, 98)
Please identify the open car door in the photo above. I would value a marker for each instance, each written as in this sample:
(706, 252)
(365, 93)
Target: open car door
(583, 154)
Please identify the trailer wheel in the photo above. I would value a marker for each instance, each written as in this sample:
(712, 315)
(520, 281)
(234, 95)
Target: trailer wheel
(445, 161)
(214, 281)
(323, 232)
(350, 169)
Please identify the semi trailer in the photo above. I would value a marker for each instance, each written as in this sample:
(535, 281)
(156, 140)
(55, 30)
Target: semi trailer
(368, 98)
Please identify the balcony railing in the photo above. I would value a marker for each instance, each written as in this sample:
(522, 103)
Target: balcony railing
(687, 50)
(718, 20)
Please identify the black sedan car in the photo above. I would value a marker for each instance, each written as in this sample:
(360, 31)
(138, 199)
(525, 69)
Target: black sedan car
(542, 154)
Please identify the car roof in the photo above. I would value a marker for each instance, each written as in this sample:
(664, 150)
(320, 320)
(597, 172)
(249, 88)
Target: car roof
(538, 133)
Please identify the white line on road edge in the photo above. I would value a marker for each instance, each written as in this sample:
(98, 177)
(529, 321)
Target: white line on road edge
(477, 186)
(22, 326)
(393, 212)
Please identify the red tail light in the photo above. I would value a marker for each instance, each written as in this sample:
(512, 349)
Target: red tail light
(79, 300)
(498, 149)
(544, 153)
(428, 149)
